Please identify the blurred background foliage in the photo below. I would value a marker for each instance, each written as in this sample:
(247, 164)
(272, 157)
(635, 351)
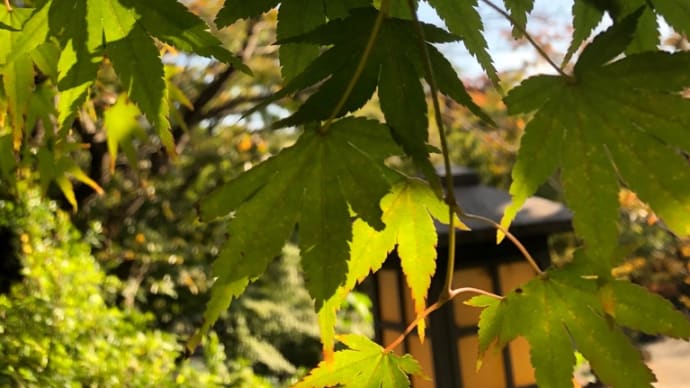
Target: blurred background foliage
(60, 325)
(120, 296)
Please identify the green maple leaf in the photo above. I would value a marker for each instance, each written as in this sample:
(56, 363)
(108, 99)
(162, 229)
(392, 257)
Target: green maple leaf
(407, 214)
(519, 9)
(310, 185)
(171, 22)
(14, 20)
(295, 18)
(121, 122)
(562, 312)
(341, 9)
(587, 14)
(32, 33)
(364, 364)
(16, 66)
(110, 27)
(393, 65)
(59, 166)
(7, 161)
(234, 10)
(463, 19)
(624, 121)
(124, 31)
(676, 13)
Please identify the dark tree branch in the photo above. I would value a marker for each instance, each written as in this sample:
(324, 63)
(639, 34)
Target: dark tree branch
(195, 115)
(229, 106)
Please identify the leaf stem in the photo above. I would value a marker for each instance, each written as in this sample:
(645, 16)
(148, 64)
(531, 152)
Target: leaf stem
(8, 5)
(511, 237)
(450, 193)
(437, 305)
(383, 11)
(529, 38)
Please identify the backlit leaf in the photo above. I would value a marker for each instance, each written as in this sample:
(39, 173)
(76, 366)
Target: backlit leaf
(18, 82)
(393, 64)
(138, 65)
(462, 19)
(310, 185)
(605, 125)
(171, 22)
(364, 364)
(341, 9)
(234, 10)
(676, 13)
(77, 70)
(121, 122)
(586, 16)
(519, 9)
(15, 20)
(295, 18)
(55, 166)
(558, 314)
(407, 213)
(32, 34)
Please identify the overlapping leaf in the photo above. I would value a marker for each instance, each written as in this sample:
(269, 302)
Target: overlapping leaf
(121, 122)
(587, 14)
(124, 30)
(59, 167)
(364, 364)
(310, 184)
(295, 18)
(341, 9)
(407, 214)
(171, 22)
(623, 120)
(562, 312)
(519, 9)
(234, 10)
(676, 13)
(463, 19)
(394, 65)
(31, 35)
(16, 69)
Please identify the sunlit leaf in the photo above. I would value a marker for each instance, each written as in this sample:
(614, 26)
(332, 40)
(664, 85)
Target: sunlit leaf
(519, 9)
(462, 18)
(409, 211)
(121, 122)
(610, 122)
(310, 184)
(295, 18)
(393, 65)
(234, 10)
(363, 364)
(171, 22)
(676, 13)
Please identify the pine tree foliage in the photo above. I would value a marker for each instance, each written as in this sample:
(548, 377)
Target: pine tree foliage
(618, 119)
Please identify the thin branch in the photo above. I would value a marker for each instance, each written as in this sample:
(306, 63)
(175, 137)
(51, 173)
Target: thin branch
(450, 192)
(478, 291)
(195, 115)
(511, 237)
(232, 104)
(431, 309)
(527, 36)
(383, 11)
(8, 5)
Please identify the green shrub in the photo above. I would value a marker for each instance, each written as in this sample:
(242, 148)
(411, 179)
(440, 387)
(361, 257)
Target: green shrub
(60, 326)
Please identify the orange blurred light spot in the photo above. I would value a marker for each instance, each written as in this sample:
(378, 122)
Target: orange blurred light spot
(245, 144)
